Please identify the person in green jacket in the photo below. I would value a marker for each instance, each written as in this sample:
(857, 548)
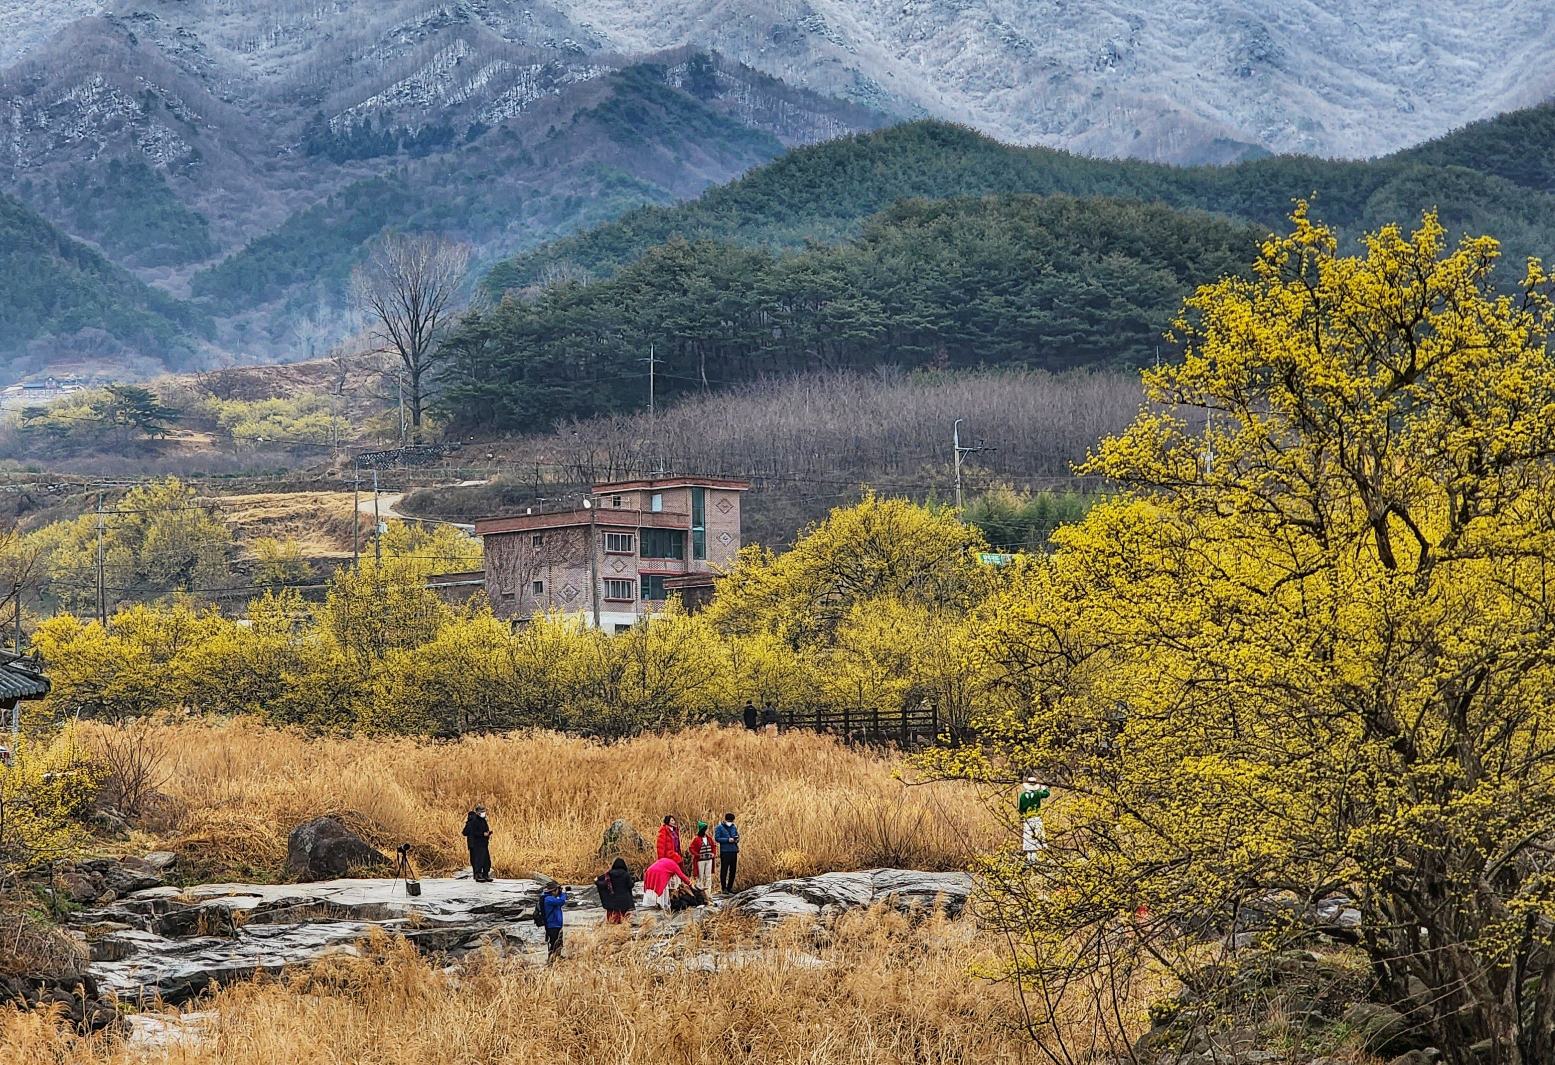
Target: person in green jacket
(1029, 805)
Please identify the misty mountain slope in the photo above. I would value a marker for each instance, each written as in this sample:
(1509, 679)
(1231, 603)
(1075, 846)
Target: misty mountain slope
(640, 140)
(255, 111)
(52, 287)
(1169, 80)
(173, 135)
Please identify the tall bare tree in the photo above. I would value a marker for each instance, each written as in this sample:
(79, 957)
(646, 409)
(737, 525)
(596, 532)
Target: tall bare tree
(410, 287)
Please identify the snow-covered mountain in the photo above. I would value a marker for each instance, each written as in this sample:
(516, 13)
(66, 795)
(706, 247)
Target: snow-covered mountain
(1170, 80)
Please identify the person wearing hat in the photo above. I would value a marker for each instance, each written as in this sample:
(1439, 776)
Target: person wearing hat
(701, 854)
(477, 833)
(1029, 805)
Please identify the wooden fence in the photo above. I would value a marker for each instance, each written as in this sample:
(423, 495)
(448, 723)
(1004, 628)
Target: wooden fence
(908, 728)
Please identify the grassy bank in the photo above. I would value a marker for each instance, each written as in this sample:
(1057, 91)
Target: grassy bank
(806, 803)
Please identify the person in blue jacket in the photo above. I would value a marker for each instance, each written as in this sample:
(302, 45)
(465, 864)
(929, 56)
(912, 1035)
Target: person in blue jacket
(554, 899)
(728, 839)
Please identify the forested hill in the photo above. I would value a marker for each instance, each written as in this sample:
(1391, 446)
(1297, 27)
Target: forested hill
(52, 286)
(1487, 178)
(1045, 282)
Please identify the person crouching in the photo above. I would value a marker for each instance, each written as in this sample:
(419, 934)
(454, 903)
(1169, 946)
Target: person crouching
(656, 883)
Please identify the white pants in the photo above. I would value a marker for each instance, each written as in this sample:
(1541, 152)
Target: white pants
(652, 899)
(705, 875)
(1033, 836)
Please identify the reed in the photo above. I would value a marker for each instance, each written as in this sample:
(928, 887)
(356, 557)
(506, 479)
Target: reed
(877, 988)
(805, 803)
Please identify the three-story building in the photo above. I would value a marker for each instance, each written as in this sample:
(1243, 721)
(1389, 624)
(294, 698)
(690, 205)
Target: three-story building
(620, 555)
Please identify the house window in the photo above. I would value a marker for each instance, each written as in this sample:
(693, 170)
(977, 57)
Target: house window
(539, 587)
(615, 501)
(699, 523)
(653, 588)
(537, 540)
(656, 502)
(509, 595)
(620, 543)
(664, 543)
(620, 589)
(622, 628)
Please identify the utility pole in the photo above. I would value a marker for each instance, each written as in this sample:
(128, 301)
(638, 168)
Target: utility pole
(102, 605)
(652, 422)
(356, 520)
(955, 440)
(377, 521)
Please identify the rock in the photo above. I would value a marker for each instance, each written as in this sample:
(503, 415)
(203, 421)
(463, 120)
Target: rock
(219, 933)
(179, 943)
(1384, 1030)
(831, 893)
(161, 861)
(110, 821)
(621, 840)
(81, 888)
(123, 879)
(324, 849)
(1417, 1057)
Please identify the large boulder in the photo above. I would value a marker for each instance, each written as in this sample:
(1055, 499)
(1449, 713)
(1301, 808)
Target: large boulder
(621, 840)
(324, 849)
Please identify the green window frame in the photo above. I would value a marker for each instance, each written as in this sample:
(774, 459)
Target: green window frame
(653, 587)
(662, 543)
(699, 523)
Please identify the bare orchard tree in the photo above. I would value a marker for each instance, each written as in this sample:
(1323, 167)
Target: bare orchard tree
(410, 290)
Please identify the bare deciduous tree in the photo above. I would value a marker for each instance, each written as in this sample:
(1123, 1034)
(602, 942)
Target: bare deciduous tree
(410, 287)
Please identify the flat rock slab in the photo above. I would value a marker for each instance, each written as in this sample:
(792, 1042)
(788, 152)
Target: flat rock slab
(832, 893)
(171, 945)
(178, 943)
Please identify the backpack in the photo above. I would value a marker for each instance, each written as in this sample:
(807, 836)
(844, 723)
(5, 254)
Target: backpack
(539, 915)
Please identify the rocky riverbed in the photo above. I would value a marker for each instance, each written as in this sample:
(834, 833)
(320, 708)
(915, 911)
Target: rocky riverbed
(171, 944)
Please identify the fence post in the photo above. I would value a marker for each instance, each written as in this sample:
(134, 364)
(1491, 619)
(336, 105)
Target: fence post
(847, 723)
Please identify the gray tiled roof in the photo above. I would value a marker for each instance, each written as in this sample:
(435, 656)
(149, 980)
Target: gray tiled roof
(21, 678)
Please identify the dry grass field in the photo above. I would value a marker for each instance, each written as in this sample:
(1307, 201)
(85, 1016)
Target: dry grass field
(318, 522)
(806, 803)
(877, 989)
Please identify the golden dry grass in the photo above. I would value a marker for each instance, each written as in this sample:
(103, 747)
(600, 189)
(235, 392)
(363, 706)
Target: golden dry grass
(877, 989)
(319, 522)
(806, 803)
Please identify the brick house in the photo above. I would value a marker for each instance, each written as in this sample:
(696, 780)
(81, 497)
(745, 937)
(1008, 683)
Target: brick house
(620, 556)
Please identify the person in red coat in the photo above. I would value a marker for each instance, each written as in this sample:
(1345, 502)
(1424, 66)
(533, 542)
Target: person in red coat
(669, 838)
(657, 880)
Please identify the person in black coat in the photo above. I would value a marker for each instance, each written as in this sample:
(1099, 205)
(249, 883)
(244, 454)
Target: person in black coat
(477, 833)
(615, 892)
(750, 716)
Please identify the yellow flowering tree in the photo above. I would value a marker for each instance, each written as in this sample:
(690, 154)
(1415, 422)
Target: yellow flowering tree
(43, 795)
(1309, 651)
